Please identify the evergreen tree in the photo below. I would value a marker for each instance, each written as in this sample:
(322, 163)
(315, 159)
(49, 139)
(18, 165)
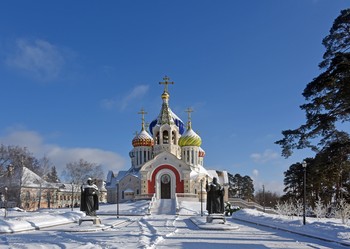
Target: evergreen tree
(52, 176)
(328, 95)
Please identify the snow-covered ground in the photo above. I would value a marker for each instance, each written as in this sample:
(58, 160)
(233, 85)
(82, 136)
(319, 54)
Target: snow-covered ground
(58, 228)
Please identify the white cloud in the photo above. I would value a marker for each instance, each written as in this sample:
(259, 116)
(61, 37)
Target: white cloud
(38, 58)
(255, 173)
(136, 93)
(60, 156)
(266, 156)
(122, 103)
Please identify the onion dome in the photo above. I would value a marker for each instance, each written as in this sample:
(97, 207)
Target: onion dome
(142, 139)
(166, 115)
(190, 138)
(201, 152)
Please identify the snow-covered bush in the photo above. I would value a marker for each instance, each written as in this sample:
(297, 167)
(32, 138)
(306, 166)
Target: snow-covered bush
(299, 207)
(229, 209)
(342, 211)
(286, 209)
(320, 210)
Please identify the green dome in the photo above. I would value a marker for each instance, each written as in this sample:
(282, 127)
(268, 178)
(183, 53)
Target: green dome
(190, 138)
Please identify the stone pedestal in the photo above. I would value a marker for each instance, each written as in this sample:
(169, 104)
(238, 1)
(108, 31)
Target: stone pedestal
(96, 220)
(216, 218)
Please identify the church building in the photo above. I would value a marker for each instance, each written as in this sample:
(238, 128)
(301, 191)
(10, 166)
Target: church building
(165, 162)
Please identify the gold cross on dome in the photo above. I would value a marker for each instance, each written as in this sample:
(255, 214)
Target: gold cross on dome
(142, 112)
(189, 110)
(166, 82)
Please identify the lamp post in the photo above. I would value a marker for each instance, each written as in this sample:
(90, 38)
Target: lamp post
(72, 202)
(6, 200)
(117, 199)
(304, 164)
(264, 196)
(202, 197)
(10, 169)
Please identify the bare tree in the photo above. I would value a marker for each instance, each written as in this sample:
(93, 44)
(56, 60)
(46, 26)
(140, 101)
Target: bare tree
(79, 171)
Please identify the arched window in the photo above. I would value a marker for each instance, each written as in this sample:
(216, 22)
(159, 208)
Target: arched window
(157, 138)
(192, 156)
(165, 137)
(173, 136)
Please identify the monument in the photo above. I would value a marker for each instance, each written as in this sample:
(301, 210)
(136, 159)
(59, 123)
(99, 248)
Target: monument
(89, 202)
(215, 201)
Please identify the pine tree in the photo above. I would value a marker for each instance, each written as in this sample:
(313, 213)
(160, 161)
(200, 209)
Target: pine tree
(52, 176)
(328, 95)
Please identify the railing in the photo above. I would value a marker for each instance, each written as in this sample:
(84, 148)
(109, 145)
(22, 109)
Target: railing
(144, 197)
(245, 204)
(153, 199)
(186, 195)
(177, 204)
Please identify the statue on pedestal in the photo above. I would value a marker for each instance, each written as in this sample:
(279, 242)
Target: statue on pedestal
(89, 198)
(215, 197)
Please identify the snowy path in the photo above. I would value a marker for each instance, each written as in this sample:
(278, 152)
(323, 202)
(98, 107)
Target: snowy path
(248, 236)
(159, 231)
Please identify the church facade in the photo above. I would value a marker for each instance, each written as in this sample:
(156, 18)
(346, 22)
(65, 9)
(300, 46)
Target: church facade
(166, 161)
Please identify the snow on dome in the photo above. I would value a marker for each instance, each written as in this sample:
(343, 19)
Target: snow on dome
(190, 138)
(178, 122)
(142, 139)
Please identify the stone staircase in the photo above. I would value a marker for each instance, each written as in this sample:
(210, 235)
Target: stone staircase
(164, 206)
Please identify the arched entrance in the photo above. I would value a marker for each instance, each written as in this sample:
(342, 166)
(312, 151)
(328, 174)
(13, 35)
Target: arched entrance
(165, 187)
(165, 184)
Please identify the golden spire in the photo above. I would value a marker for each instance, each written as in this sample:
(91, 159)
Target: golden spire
(166, 82)
(142, 112)
(189, 110)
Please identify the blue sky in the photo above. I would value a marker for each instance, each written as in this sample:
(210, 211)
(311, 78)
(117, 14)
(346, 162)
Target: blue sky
(74, 74)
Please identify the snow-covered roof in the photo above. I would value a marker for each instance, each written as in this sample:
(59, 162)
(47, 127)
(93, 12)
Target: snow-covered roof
(129, 190)
(31, 179)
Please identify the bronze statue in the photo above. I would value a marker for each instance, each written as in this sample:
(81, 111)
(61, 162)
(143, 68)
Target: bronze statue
(89, 198)
(215, 197)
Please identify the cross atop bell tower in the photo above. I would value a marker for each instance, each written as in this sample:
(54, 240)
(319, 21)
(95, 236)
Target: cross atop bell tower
(166, 82)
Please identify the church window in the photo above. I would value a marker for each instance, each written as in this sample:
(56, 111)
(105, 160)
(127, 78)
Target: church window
(173, 137)
(165, 137)
(137, 191)
(188, 156)
(144, 156)
(195, 191)
(192, 156)
(157, 138)
(122, 194)
(137, 158)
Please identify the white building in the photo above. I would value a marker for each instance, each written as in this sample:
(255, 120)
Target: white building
(165, 162)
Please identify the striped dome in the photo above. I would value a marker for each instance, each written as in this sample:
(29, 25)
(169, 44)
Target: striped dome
(190, 138)
(142, 139)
